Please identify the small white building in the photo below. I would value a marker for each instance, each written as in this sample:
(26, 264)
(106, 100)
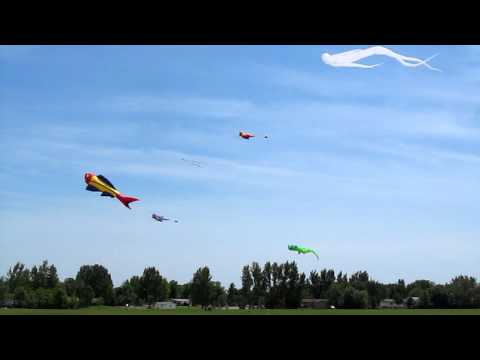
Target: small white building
(8, 303)
(314, 303)
(390, 304)
(164, 305)
(181, 302)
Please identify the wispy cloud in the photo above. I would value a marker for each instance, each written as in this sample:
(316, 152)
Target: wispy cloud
(425, 154)
(66, 156)
(317, 118)
(320, 116)
(320, 84)
(397, 92)
(197, 106)
(303, 125)
(298, 175)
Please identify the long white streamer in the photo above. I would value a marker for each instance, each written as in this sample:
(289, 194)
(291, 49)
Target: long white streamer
(350, 58)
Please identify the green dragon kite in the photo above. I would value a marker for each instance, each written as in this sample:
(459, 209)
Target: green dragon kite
(302, 250)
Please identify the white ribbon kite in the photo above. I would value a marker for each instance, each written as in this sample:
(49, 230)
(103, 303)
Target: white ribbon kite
(350, 58)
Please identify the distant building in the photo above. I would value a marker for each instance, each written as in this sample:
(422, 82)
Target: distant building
(390, 304)
(314, 303)
(181, 302)
(7, 303)
(164, 305)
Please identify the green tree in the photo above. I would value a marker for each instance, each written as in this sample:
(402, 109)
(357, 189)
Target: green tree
(327, 278)
(21, 296)
(201, 288)
(353, 298)
(295, 283)
(154, 286)
(73, 302)
(282, 287)
(462, 290)
(320, 283)
(416, 288)
(258, 287)
(315, 285)
(218, 295)
(130, 292)
(125, 294)
(187, 291)
(401, 291)
(274, 297)
(267, 276)
(342, 278)
(70, 286)
(173, 285)
(98, 279)
(3, 291)
(44, 276)
(232, 295)
(359, 280)
(360, 276)
(52, 277)
(335, 294)
(397, 292)
(476, 297)
(136, 286)
(247, 283)
(18, 276)
(376, 292)
(439, 297)
(85, 293)
(35, 278)
(45, 298)
(424, 299)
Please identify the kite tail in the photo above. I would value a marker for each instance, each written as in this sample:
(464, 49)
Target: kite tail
(420, 63)
(425, 62)
(125, 200)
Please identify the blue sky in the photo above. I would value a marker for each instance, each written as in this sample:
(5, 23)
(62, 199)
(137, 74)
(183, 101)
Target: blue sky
(377, 169)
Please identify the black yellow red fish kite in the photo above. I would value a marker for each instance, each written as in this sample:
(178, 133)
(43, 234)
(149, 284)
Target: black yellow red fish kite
(102, 184)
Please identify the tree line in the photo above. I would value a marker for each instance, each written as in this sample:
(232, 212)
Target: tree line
(271, 286)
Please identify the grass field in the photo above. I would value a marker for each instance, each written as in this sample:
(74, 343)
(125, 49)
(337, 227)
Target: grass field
(106, 310)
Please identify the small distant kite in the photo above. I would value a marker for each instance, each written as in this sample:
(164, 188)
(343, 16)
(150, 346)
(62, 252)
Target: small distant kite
(350, 58)
(193, 162)
(246, 135)
(102, 184)
(161, 218)
(301, 250)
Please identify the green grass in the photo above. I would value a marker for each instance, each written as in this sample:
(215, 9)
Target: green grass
(106, 310)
